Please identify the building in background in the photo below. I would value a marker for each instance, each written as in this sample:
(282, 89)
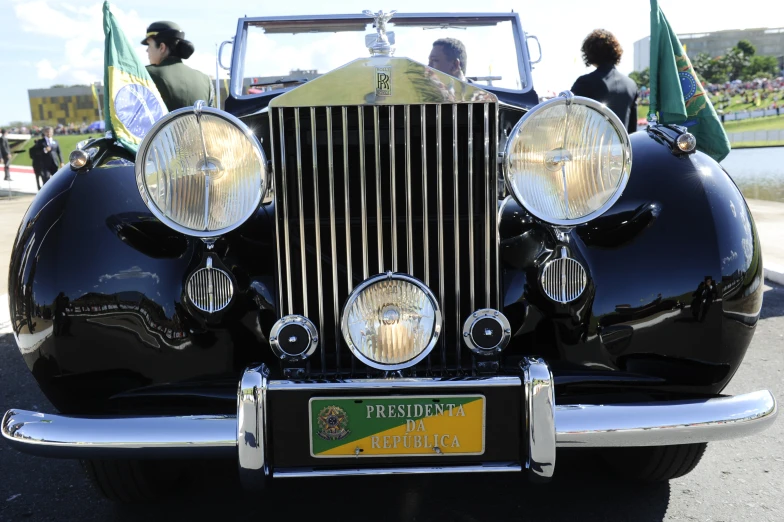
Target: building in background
(769, 42)
(65, 105)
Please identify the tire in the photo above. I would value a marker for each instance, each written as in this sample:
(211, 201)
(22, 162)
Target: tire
(655, 464)
(132, 481)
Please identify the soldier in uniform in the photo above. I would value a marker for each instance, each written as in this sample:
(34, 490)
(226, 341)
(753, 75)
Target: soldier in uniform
(179, 85)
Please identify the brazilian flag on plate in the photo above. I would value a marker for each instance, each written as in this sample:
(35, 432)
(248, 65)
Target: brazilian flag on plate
(676, 93)
(132, 103)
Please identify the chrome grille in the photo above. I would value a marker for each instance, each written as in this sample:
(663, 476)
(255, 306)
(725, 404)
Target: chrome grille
(379, 172)
(210, 289)
(564, 279)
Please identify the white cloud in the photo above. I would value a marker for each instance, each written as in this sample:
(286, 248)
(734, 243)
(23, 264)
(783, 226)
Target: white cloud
(75, 37)
(46, 70)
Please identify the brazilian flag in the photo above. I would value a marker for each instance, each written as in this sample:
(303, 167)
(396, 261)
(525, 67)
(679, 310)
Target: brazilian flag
(132, 103)
(676, 93)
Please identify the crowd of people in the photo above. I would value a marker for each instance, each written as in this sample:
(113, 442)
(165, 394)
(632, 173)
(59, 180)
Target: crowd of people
(58, 130)
(761, 93)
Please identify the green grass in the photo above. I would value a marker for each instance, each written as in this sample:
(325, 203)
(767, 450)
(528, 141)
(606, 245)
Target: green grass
(755, 124)
(748, 144)
(67, 145)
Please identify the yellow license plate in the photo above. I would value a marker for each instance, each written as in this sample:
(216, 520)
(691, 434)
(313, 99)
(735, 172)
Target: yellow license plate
(397, 426)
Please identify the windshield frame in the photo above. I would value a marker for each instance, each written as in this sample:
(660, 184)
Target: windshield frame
(317, 23)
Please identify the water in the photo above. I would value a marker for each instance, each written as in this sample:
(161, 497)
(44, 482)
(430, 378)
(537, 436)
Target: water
(758, 172)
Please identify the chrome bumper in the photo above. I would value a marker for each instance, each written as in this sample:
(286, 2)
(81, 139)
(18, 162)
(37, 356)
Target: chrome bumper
(546, 426)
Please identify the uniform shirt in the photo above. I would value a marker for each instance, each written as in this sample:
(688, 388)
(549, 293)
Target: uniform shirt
(612, 88)
(179, 85)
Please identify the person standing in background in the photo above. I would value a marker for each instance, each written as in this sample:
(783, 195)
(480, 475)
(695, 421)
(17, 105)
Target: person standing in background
(606, 84)
(5, 153)
(50, 160)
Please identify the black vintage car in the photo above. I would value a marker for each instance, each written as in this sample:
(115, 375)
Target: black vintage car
(374, 267)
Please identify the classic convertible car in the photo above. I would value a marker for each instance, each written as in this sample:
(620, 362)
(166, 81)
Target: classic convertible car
(369, 266)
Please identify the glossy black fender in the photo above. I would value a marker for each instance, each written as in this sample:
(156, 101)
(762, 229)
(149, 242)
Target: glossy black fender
(96, 288)
(675, 280)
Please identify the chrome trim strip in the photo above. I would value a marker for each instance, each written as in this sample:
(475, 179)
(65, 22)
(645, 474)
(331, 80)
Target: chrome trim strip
(297, 473)
(664, 423)
(409, 203)
(63, 436)
(440, 211)
(346, 193)
(301, 213)
(425, 219)
(379, 207)
(493, 210)
(317, 223)
(471, 206)
(285, 196)
(363, 186)
(539, 417)
(392, 180)
(251, 427)
(489, 209)
(456, 220)
(388, 384)
(277, 217)
(333, 237)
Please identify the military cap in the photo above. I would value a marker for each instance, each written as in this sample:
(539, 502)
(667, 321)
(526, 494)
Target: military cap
(164, 29)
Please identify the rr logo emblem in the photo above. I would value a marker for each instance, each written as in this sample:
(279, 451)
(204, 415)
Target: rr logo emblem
(383, 81)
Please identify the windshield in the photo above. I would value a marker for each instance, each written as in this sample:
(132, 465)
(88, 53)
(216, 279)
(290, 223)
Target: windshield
(283, 54)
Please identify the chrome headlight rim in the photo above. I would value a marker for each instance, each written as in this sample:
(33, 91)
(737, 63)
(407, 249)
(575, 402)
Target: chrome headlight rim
(199, 109)
(567, 98)
(396, 276)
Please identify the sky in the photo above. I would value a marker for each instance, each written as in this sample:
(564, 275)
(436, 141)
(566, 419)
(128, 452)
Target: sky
(47, 42)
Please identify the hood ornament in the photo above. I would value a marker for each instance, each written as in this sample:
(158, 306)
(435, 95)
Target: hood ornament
(382, 42)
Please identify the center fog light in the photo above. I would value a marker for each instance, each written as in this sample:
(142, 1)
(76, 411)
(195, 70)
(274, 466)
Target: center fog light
(391, 321)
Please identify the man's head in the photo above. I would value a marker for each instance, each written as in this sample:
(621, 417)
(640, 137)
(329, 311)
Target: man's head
(2, 132)
(448, 55)
(48, 132)
(601, 48)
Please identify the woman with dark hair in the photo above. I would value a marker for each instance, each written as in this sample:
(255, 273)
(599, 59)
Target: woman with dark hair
(179, 85)
(606, 85)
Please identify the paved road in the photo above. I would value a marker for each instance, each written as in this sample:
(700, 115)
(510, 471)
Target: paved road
(737, 480)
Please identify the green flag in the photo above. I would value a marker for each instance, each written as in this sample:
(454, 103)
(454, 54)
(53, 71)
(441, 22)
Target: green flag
(676, 93)
(132, 103)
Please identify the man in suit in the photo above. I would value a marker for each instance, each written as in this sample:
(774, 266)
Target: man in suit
(49, 158)
(606, 85)
(5, 154)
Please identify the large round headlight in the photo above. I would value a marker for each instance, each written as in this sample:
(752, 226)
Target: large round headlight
(568, 160)
(391, 321)
(201, 171)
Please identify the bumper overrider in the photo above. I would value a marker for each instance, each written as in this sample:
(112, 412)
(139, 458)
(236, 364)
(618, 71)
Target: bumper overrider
(523, 439)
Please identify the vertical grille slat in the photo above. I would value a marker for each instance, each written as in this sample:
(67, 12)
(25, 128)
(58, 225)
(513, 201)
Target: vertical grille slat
(301, 215)
(333, 236)
(317, 227)
(379, 206)
(284, 197)
(331, 182)
(456, 219)
(392, 180)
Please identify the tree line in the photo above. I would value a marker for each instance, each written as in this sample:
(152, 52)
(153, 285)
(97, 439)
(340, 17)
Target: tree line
(739, 63)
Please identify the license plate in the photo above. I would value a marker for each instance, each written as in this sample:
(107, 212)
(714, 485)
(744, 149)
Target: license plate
(397, 426)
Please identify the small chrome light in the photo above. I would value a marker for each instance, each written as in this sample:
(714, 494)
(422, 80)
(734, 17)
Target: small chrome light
(564, 279)
(686, 142)
(210, 289)
(487, 331)
(294, 338)
(391, 321)
(78, 159)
